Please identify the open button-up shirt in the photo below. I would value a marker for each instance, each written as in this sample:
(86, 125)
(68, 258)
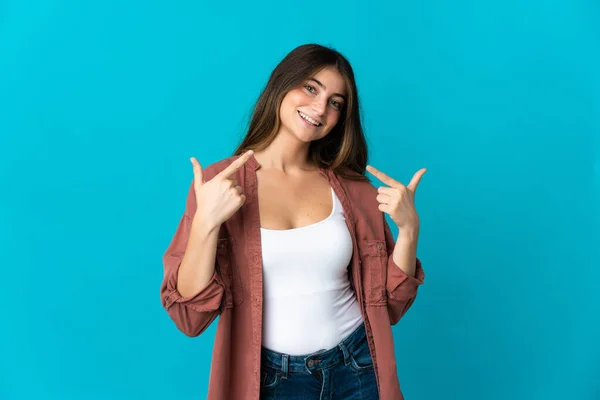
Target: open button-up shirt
(234, 293)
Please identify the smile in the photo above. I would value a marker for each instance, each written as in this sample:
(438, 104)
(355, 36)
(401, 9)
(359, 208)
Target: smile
(308, 119)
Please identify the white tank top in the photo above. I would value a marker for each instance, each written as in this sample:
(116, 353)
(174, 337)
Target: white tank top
(308, 303)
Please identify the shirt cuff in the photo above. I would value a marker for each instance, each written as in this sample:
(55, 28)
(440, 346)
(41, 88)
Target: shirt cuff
(401, 286)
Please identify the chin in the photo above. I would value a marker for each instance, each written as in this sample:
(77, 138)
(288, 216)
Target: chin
(302, 135)
(304, 139)
(307, 137)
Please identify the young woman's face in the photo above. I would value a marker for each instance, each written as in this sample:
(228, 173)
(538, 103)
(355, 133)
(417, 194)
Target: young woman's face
(312, 109)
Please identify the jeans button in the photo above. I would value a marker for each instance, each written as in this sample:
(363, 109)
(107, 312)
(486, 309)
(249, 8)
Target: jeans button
(311, 363)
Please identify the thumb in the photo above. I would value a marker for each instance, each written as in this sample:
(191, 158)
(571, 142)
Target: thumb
(198, 175)
(414, 182)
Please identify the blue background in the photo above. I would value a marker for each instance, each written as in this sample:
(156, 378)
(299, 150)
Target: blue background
(103, 103)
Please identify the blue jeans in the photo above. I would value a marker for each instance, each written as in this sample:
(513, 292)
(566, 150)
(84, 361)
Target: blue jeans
(343, 372)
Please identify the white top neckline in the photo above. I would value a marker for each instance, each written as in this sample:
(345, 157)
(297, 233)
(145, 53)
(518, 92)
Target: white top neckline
(333, 208)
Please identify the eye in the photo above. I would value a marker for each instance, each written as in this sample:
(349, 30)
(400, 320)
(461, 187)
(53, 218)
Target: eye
(310, 88)
(336, 104)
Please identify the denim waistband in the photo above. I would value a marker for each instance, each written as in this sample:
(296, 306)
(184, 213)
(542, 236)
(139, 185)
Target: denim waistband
(319, 359)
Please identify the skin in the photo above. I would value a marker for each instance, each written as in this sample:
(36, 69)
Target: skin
(292, 193)
(398, 201)
(289, 151)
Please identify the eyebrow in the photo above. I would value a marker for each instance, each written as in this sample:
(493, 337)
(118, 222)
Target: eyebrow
(324, 88)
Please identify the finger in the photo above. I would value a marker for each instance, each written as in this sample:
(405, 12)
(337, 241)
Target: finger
(234, 191)
(237, 164)
(383, 198)
(198, 174)
(383, 177)
(387, 190)
(234, 182)
(414, 182)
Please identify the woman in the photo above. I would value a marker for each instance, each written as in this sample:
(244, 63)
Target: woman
(287, 242)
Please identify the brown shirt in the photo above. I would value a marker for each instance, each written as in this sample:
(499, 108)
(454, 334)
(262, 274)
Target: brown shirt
(234, 293)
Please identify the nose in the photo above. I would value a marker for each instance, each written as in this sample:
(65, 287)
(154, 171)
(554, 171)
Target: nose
(319, 105)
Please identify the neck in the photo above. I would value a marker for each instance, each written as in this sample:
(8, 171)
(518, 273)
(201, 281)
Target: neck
(285, 154)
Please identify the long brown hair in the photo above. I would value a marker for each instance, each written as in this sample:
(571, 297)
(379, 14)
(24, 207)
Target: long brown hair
(344, 149)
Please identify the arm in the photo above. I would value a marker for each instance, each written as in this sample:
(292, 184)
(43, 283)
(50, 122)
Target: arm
(192, 290)
(404, 272)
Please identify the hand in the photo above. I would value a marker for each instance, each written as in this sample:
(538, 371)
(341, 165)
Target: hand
(218, 199)
(397, 200)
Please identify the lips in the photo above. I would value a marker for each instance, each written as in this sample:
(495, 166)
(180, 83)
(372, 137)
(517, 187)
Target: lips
(309, 123)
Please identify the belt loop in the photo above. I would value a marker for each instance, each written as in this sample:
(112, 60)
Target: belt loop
(284, 365)
(344, 349)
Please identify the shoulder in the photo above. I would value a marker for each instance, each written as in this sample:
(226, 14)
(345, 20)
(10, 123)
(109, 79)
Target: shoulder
(363, 198)
(357, 188)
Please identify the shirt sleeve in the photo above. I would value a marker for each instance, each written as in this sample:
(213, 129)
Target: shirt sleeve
(192, 315)
(401, 288)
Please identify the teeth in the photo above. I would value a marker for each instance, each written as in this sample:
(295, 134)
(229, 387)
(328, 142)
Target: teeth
(309, 119)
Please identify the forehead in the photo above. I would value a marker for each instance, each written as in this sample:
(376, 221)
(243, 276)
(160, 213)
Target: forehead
(332, 79)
